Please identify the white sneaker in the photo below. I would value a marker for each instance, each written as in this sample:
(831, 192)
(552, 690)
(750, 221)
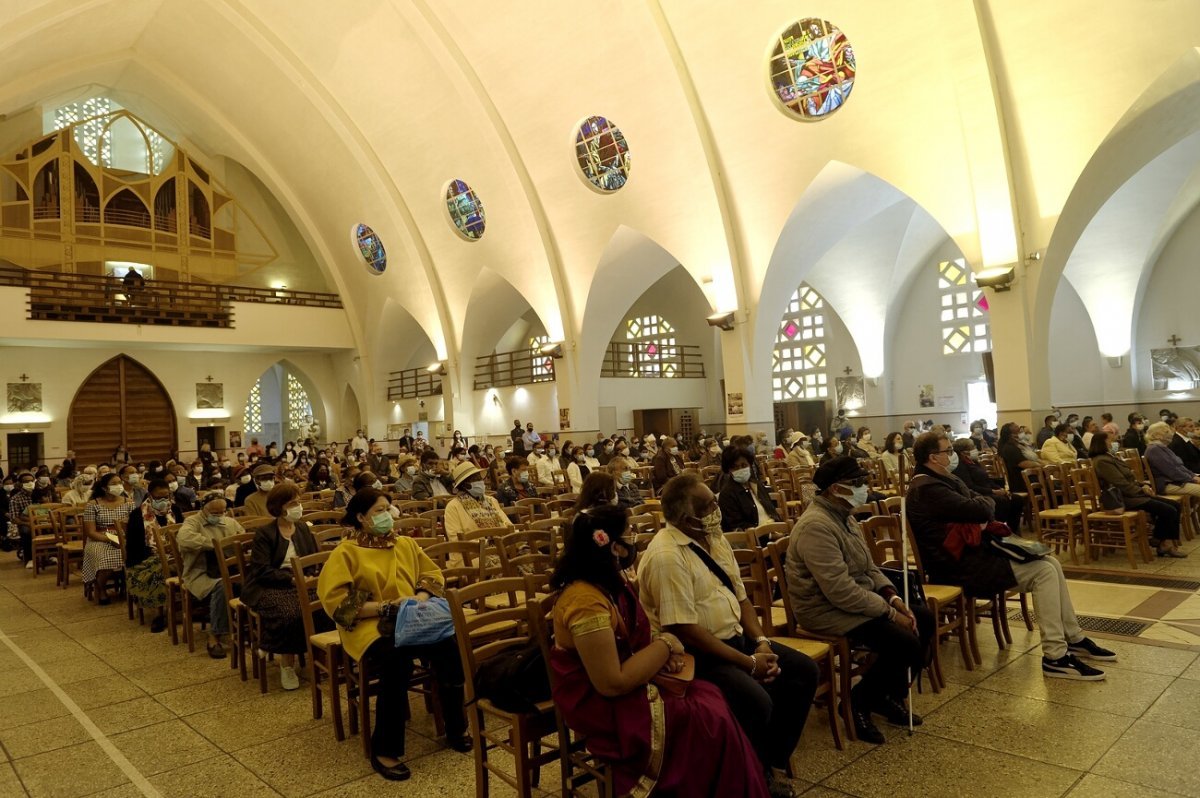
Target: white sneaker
(288, 679)
(29, 565)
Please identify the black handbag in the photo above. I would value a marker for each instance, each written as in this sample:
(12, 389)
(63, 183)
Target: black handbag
(1111, 499)
(916, 593)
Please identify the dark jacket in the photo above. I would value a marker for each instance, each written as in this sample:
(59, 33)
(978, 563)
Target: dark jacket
(423, 485)
(975, 477)
(1111, 472)
(934, 501)
(1188, 453)
(662, 467)
(1134, 439)
(737, 505)
(136, 550)
(510, 492)
(266, 568)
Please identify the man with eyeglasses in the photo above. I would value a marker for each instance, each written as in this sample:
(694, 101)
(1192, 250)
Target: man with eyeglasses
(836, 589)
(937, 501)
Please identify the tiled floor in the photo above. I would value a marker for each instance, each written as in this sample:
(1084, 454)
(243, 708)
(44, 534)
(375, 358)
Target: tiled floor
(184, 725)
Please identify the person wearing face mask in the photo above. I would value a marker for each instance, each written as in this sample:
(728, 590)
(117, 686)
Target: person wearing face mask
(1010, 508)
(893, 446)
(6, 491)
(863, 443)
(833, 448)
(745, 503)
(691, 586)
(1016, 454)
(43, 487)
(606, 657)
(102, 550)
(1112, 472)
(599, 490)
(431, 480)
(197, 538)
(81, 488)
(471, 508)
(1135, 436)
(143, 570)
(408, 470)
(362, 479)
(541, 470)
(198, 476)
(798, 455)
(132, 480)
(1182, 444)
(710, 456)
(20, 498)
(937, 502)
(628, 493)
(578, 469)
(1058, 448)
(604, 451)
(1047, 430)
(263, 477)
(517, 484)
(530, 438)
(371, 570)
(836, 589)
(667, 463)
(269, 587)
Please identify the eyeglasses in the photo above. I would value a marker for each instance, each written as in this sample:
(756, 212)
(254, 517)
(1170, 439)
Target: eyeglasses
(855, 483)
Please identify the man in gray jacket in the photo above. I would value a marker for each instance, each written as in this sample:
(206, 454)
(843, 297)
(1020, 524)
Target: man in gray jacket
(836, 589)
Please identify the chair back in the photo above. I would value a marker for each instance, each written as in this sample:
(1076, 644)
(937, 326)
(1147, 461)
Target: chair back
(882, 534)
(305, 572)
(1087, 489)
(538, 507)
(772, 531)
(520, 514)
(41, 517)
(255, 522)
(775, 578)
(497, 623)
(741, 539)
(319, 516)
(559, 507)
(440, 502)
(414, 507)
(68, 524)
(231, 559)
(864, 511)
(168, 549)
(416, 527)
(328, 537)
(460, 561)
(644, 523)
(891, 505)
(529, 551)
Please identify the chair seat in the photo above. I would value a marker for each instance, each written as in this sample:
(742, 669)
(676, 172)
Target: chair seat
(814, 649)
(778, 616)
(1060, 512)
(326, 640)
(541, 708)
(1112, 515)
(43, 539)
(72, 546)
(1174, 498)
(235, 604)
(942, 594)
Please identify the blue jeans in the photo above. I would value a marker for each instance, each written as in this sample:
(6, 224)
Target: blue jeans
(218, 611)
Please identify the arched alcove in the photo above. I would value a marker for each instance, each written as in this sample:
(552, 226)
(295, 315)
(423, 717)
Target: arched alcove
(126, 208)
(279, 404)
(121, 403)
(351, 413)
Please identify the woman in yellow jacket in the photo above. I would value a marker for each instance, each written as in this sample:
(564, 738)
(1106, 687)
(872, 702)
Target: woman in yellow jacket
(368, 572)
(1058, 448)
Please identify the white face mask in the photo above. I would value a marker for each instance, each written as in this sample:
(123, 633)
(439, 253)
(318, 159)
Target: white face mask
(476, 489)
(837, 449)
(377, 485)
(741, 475)
(294, 512)
(953, 464)
(866, 438)
(674, 450)
(174, 486)
(244, 479)
(898, 446)
(8, 488)
(43, 481)
(266, 484)
(858, 495)
(410, 470)
(197, 471)
(116, 490)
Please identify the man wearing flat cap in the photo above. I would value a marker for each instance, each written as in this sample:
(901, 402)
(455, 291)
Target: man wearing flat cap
(836, 589)
(264, 480)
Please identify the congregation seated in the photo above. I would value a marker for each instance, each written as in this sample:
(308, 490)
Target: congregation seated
(356, 482)
(893, 446)
(1135, 436)
(599, 490)
(1009, 508)
(264, 480)
(432, 479)
(81, 488)
(1058, 448)
(1015, 450)
(667, 463)
(1171, 476)
(471, 508)
(143, 570)
(628, 495)
(836, 589)
(199, 572)
(365, 577)
(406, 468)
(798, 454)
(606, 658)
(744, 501)
(1049, 423)
(579, 468)
(942, 512)
(691, 586)
(102, 550)
(1183, 444)
(516, 484)
(269, 586)
(1112, 472)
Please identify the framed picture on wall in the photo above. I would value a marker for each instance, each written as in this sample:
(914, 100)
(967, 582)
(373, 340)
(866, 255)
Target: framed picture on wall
(235, 439)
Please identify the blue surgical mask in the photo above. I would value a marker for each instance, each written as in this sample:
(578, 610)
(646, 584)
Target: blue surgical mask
(381, 523)
(741, 475)
(953, 464)
(213, 520)
(626, 477)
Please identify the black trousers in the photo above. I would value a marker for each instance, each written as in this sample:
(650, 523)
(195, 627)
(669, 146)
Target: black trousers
(1165, 515)
(772, 715)
(394, 667)
(897, 651)
(1010, 509)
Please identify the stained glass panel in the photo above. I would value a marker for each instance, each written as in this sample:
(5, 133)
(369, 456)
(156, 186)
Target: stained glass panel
(799, 369)
(603, 153)
(466, 209)
(371, 249)
(812, 68)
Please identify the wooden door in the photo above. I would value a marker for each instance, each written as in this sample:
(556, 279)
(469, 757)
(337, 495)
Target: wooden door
(121, 402)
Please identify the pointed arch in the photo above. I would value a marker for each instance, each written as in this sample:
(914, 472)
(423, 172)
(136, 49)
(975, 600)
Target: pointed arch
(274, 402)
(87, 196)
(127, 208)
(121, 402)
(46, 201)
(495, 305)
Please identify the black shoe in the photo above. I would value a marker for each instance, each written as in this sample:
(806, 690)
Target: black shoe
(780, 786)
(463, 743)
(158, 624)
(1069, 667)
(216, 650)
(896, 713)
(866, 729)
(1088, 649)
(397, 772)
(104, 602)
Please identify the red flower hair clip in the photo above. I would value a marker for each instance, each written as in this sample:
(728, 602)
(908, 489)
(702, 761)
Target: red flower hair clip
(601, 537)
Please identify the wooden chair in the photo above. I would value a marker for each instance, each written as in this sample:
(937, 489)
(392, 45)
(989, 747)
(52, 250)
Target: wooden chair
(771, 531)
(460, 561)
(1104, 529)
(891, 505)
(580, 769)
(416, 527)
(414, 507)
(243, 621)
(326, 657)
(328, 537)
(41, 526)
(440, 502)
(1184, 501)
(520, 514)
(323, 516)
(519, 734)
(69, 541)
(1058, 525)
(645, 523)
(538, 508)
(529, 551)
(177, 592)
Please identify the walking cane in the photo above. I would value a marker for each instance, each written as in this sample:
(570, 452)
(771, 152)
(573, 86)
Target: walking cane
(904, 580)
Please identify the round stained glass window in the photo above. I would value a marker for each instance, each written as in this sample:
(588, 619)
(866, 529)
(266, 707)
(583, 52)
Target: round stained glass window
(812, 68)
(371, 249)
(466, 210)
(603, 153)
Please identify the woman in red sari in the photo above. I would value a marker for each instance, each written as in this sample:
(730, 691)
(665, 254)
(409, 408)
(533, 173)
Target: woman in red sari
(680, 739)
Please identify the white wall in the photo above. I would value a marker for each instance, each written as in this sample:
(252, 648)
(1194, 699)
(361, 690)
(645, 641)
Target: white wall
(1169, 306)
(1076, 367)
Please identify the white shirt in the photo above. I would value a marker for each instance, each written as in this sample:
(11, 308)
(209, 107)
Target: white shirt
(676, 587)
(358, 443)
(290, 554)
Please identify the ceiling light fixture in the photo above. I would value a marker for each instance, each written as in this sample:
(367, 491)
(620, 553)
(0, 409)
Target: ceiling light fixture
(999, 278)
(722, 320)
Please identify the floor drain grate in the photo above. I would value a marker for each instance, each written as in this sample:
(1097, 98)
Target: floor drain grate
(1091, 623)
(1174, 583)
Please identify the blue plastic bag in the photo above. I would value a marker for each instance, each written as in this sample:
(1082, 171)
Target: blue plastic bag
(420, 623)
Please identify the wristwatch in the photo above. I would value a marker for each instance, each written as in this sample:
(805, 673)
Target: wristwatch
(758, 641)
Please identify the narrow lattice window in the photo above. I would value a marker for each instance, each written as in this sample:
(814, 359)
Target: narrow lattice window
(798, 368)
(963, 309)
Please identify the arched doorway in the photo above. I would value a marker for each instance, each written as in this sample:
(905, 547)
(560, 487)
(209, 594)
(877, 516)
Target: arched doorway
(279, 407)
(121, 402)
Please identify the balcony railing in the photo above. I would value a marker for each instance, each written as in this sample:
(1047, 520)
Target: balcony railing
(630, 359)
(411, 383)
(522, 367)
(57, 296)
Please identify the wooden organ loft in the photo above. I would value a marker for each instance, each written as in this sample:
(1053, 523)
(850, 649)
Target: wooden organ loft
(63, 216)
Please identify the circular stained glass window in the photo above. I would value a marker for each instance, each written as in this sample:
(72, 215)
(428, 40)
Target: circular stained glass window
(371, 249)
(812, 68)
(466, 210)
(603, 153)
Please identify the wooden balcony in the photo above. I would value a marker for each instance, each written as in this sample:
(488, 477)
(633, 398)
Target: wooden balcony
(412, 383)
(522, 367)
(653, 360)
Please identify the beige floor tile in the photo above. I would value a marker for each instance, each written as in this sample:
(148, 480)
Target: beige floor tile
(440, 775)
(126, 790)
(1179, 705)
(1192, 671)
(43, 736)
(1155, 755)
(823, 792)
(186, 671)
(30, 707)
(69, 772)
(1107, 599)
(1171, 633)
(10, 785)
(47, 645)
(310, 762)
(1147, 658)
(192, 698)
(928, 701)
(77, 669)
(932, 767)
(1123, 692)
(1051, 733)
(129, 715)
(1093, 786)
(163, 746)
(89, 628)
(275, 715)
(18, 618)
(993, 660)
(218, 777)
(19, 679)
(816, 756)
(102, 691)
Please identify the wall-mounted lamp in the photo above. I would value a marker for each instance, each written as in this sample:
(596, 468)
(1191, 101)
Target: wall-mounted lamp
(554, 349)
(436, 367)
(722, 320)
(1115, 362)
(999, 278)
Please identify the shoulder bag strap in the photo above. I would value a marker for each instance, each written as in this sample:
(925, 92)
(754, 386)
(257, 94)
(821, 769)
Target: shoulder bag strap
(717, 570)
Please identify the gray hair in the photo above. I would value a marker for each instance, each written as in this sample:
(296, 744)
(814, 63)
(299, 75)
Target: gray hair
(1159, 432)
